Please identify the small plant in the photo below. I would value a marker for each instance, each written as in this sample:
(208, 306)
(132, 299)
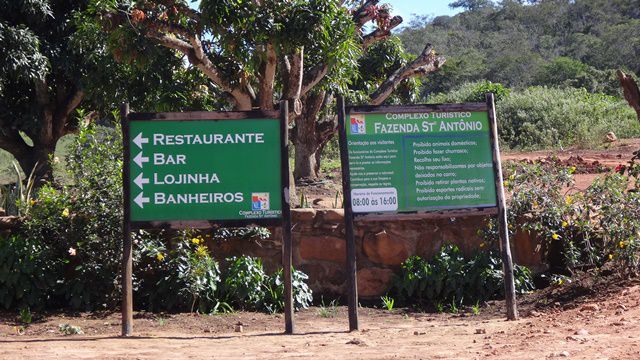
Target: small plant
(328, 311)
(453, 308)
(304, 202)
(338, 201)
(162, 321)
(439, 307)
(388, 302)
(67, 329)
(475, 309)
(25, 316)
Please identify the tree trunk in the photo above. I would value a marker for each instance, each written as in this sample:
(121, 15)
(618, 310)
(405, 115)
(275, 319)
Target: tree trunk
(305, 137)
(32, 159)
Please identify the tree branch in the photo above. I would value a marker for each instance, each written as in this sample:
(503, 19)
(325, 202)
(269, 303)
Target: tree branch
(426, 63)
(631, 91)
(293, 75)
(61, 124)
(362, 14)
(267, 78)
(380, 34)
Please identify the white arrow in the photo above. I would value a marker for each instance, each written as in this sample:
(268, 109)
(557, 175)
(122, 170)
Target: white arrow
(139, 140)
(140, 181)
(139, 159)
(141, 200)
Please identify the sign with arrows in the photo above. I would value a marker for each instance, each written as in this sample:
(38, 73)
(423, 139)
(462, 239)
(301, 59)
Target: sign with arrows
(203, 169)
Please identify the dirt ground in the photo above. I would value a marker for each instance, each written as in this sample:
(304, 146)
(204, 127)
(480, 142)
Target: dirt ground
(581, 320)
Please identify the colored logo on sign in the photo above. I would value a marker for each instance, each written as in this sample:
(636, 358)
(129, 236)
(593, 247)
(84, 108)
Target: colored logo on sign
(259, 201)
(358, 124)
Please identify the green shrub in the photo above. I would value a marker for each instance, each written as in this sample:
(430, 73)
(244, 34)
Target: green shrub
(79, 225)
(540, 117)
(181, 276)
(449, 278)
(302, 294)
(589, 229)
(243, 282)
(471, 92)
(25, 279)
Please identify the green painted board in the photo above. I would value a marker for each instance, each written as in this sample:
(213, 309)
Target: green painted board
(429, 161)
(212, 170)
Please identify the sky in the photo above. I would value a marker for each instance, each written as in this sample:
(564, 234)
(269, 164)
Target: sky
(406, 8)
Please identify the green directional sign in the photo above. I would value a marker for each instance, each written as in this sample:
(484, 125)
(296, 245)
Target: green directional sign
(420, 161)
(213, 170)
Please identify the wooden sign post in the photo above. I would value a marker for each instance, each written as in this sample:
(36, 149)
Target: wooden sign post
(199, 170)
(421, 162)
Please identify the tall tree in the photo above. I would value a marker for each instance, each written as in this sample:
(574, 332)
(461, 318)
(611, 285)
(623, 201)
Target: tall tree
(53, 60)
(258, 52)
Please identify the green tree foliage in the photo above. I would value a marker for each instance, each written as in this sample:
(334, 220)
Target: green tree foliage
(257, 53)
(524, 43)
(54, 59)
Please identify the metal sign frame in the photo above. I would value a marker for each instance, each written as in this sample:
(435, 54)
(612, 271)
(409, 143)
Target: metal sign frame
(284, 220)
(499, 209)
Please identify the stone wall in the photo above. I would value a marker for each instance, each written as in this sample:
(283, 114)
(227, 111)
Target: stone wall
(319, 248)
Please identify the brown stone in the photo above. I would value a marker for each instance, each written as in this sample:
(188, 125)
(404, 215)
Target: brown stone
(374, 282)
(332, 215)
(383, 249)
(305, 215)
(328, 248)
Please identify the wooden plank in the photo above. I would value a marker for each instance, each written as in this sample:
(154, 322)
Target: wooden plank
(426, 215)
(503, 227)
(204, 115)
(287, 243)
(352, 281)
(127, 258)
(203, 224)
(364, 109)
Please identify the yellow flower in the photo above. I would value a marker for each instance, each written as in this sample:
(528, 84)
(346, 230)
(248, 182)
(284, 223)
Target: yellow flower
(482, 244)
(610, 256)
(32, 202)
(510, 226)
(202, 251)
(506, 183)
(572, 169)
(65, 212)
(195, 241)
(512, 177)
(621, 244)
(160, 256)
(535, 204)
(565, 224)
(555, 236)
(560, 282)
(568, 200)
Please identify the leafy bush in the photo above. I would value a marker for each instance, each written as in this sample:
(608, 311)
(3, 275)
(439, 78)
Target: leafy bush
(24, 277)
(182, 276)
(450, 278)
(243, 282)
(471, 92)
(79, 226)
(589, 229)
(302, 294)
(540, 117)
(247, 286)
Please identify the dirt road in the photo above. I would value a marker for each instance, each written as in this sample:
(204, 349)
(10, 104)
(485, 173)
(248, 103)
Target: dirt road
(602, 327)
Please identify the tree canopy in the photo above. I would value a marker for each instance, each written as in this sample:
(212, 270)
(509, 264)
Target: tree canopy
(258, 52)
